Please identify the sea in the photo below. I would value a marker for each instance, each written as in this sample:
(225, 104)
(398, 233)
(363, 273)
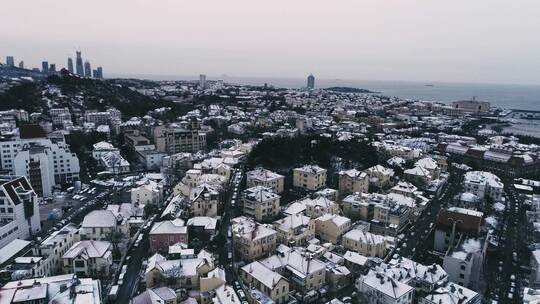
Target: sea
(505, 96)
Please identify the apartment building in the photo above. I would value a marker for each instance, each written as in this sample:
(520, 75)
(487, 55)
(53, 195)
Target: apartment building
(88, 258)
(204, 201)
(313, 207)
(183, 273)
(309, 177)
(295, 230)
(98, 225)
(265, 178)
(331, 227)
(483, 184)
(19, 210)
(365, 243)
(54, 247)
(167, 233)
(378, 288)
(454, 224)
(171, 140)
(272, 284)
(380, 176)
(261, 203)
(252, 240)
(351, 181)
(44, 162)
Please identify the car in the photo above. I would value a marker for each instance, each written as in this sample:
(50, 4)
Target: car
(242, 294)
(346, 299)
(237, 285)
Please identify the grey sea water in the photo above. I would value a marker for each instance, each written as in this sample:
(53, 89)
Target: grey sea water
(525, 97)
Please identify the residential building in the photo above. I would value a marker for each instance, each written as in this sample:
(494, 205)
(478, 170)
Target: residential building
(99, 225)
(54, 247)
(351, 181)
(261, 203)
(309, 177)
(167, 233)
(252, 240)
(295, 230)
(380, 176)
(331, 227)
(377, 288)
(265, 178)
(88, 258)
(173, 140)
(365, 243)
(67, 288)
(455, 224)
(313, 207)
(183, 273)
(19, 210)
(272, 284)
(483, 184)
(149, 192)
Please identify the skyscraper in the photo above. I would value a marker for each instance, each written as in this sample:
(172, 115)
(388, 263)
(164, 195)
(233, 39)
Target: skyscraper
(311, 82)
(10, 61)
(79, 64)
(87, 69)
(21, 65)
(99, 73)
(202, 81)
(52, 68)
(45, 66)
(70, 65)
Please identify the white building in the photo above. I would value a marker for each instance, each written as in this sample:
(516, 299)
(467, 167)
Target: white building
(351, 181)
(55, 246)
(483, 184)
(88, 258)
(261, 203)
(19, 210)
(380, 289)
(148, 193)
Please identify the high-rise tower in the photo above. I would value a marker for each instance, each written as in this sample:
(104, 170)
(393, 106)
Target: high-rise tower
(87, 69)
(79, 64)
(70, 65)
(311, 82)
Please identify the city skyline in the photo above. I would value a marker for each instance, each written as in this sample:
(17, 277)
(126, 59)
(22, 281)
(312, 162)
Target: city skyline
(448, 42)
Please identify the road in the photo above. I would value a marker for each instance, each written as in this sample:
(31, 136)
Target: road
(133, 273)
(418, 241)
(504, 271)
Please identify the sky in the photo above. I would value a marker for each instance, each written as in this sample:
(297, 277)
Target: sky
(480, 41)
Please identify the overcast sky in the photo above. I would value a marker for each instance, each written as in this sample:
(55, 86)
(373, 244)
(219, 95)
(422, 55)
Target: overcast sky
(492, 41)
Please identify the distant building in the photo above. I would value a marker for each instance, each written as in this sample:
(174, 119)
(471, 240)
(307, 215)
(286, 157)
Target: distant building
(45, 67)
(21, 64)
(70, 65)
(202, 81)
(52, 68)
(311, 82)
(79, 64)
(99, 73)
(310, 177)
(10, 61)
(472, 106)
(87, 69)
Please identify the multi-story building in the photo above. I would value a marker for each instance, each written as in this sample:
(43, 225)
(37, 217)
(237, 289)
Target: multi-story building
(67, 287)
(261, 203)
(378, 288)
(295, 230)
(304, 272)
(45, 162)
(331, 227)
(483, 184)
(365, 243)
(266, 178)
(380, 176)
(204, 201)
(173, 140)
(55, 246)
(313, 207)
(251, 239)
(167, 233)
(464, 264)
(272, 284)
(455, 224)
(309, 177)
(351, 181)
(149, 192)
(88, 258)
(19, 210)
(99, 225)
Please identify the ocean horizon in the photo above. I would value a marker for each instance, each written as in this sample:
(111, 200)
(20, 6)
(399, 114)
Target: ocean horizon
(507, 96)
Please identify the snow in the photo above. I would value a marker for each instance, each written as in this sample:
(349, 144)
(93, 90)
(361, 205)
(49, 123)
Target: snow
(499, 207)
